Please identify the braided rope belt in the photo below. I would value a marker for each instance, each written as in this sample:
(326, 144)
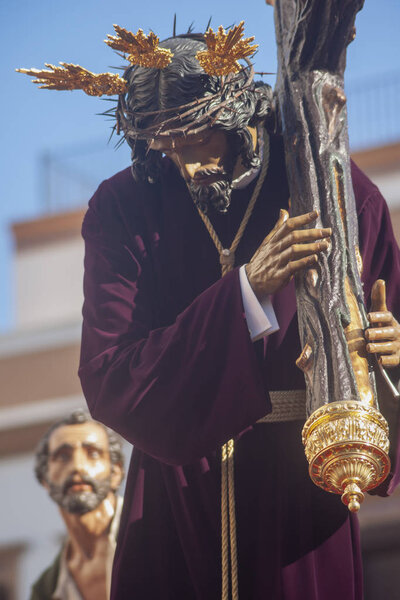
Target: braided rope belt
(287, 405)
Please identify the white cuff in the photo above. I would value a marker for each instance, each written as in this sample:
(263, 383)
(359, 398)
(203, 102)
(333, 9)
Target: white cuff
(260, 317)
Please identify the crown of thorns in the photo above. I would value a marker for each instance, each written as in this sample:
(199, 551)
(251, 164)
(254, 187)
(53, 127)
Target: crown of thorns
(224, 50)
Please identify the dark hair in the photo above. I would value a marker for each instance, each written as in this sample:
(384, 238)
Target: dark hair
(75, 418)
(182, 82)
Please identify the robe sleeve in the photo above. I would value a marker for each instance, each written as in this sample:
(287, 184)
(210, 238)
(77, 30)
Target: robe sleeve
(176, 392)
(381, 260)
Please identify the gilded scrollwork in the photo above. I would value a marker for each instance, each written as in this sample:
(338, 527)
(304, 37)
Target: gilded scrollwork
(337, 434)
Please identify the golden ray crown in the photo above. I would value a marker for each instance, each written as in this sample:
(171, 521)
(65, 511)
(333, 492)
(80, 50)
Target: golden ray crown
(221, 58)
(224, 50)
(142, 50)
(75, 77)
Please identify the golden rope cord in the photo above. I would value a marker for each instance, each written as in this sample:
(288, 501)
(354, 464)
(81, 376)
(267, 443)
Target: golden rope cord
(224, 524)
(227, 256)
(232, 520)
(228, 508)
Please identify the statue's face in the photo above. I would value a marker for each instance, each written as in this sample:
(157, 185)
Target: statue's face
(79, 470)
(206, 163)
(200, 158)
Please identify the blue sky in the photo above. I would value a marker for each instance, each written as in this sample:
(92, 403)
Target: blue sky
(37, 121)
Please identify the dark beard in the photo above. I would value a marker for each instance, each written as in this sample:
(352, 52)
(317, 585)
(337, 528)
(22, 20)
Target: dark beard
(80, 503)
(216, 195)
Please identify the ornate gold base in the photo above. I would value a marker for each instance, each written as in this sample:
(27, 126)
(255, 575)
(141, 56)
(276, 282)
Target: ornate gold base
(347, 445)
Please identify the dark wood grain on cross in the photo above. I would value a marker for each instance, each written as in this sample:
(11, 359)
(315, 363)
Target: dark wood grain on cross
(312, 38)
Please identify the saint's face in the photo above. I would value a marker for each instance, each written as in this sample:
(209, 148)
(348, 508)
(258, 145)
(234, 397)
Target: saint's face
(207, 164)
(79, 467)
(201, 158)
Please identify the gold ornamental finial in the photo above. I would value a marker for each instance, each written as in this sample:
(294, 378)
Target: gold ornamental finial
(224, 50)
(75, 77)
(142, 50)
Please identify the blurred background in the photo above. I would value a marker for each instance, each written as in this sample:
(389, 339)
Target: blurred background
(55, 151)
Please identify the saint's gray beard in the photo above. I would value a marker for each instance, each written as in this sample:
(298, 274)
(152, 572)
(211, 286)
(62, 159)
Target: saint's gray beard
(216, 195)
(80, 503)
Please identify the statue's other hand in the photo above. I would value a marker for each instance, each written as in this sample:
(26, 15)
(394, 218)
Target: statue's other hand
(287, 249)
(383, 335)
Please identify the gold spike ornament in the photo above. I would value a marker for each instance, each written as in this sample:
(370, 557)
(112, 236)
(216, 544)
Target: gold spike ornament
(142, 50)
(224, 50)
(75, 77)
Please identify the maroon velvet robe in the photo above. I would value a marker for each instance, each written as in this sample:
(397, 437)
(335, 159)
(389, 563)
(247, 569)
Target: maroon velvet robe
(167, 362)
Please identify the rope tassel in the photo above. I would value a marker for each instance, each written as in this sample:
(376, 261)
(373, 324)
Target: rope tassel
(228, 520)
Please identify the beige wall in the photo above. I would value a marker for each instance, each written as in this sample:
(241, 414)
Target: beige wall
(40, 375)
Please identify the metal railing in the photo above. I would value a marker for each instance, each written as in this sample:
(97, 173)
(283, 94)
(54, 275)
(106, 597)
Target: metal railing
(68, 177)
